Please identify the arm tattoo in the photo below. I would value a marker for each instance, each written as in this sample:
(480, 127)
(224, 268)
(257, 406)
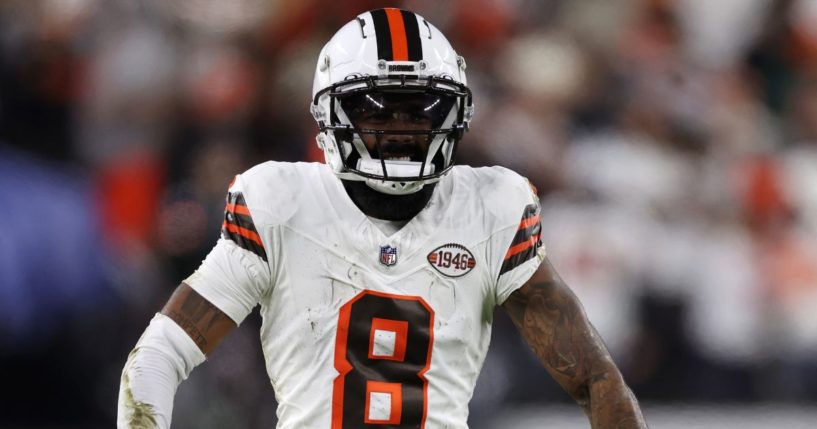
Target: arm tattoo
(546, 317)
(196, 316)
(553, 323)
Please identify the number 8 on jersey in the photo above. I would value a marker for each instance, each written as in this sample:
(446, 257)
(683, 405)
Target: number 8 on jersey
(382, 352)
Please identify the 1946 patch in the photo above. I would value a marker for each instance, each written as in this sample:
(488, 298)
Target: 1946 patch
(452, 260)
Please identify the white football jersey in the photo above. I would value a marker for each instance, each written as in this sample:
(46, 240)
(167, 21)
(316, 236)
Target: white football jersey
(363, 329)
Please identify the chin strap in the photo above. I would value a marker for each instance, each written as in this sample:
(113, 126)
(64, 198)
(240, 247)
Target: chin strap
(395, 188)
(395, 169)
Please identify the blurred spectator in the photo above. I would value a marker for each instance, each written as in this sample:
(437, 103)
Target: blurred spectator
(55, 290)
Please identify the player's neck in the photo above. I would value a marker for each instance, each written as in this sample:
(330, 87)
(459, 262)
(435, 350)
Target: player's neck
(388, 207)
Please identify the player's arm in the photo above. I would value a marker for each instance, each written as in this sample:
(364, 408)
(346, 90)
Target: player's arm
(553, 323)
(233, 277)
(204, 322)
(175, 341)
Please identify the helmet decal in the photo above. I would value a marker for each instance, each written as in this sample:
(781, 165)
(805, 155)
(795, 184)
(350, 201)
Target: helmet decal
(398, 35)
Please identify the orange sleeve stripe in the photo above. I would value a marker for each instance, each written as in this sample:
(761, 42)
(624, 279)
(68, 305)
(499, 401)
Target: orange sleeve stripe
(526, 223)
(521, 247)
(244, 232)
(235, 208)
(399, 45)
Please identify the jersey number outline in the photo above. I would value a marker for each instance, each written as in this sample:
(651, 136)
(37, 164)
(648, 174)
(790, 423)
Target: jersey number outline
(382, 352)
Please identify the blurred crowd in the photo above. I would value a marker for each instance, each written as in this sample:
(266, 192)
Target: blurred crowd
(673, 143)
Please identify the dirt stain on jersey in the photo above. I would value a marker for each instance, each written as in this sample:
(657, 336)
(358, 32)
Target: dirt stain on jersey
(317, 323)
(141, 415)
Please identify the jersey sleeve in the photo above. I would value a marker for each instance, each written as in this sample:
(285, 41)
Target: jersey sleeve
(519, 247)
(236, 273)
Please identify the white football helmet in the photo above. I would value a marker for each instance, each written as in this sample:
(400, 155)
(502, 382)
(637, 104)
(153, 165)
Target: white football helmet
(389, 56)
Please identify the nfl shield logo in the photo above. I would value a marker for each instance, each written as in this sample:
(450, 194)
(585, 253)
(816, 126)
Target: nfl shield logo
(388, 255)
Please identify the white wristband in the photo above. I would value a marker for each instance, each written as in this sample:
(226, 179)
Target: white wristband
(162, 359)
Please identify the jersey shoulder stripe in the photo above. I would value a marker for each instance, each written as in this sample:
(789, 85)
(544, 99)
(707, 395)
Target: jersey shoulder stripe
(526, 241)
(239, 227)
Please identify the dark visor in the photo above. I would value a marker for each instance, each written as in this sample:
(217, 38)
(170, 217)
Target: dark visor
(418, 109)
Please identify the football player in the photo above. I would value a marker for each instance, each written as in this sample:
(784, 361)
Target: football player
(377, 272)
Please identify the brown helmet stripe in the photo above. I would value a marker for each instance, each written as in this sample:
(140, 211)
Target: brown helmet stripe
(382, 35)
(415, 45)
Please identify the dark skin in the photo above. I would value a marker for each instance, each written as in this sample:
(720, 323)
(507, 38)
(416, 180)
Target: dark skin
(544, 310)
(400, 115)
(553, 323)
(206, 324)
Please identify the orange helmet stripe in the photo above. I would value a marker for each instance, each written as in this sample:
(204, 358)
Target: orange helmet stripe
(397, 29)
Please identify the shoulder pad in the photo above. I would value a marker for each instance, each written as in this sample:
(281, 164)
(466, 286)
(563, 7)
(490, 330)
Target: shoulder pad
(271, 190)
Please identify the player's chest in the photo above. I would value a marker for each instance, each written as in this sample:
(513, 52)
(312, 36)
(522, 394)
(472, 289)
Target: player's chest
(448, 269)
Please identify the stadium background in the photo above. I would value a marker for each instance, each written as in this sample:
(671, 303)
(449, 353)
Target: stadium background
(674, 144)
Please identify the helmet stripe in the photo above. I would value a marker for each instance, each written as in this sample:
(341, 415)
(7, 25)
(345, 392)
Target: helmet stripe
(415, 45)
(398, 35)
(382, 34)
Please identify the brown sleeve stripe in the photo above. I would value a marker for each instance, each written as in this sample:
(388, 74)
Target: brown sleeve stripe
(527, 223)
(243, 232)
(236, 209)
(526, 241)
(239, 227)
(523, 246)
